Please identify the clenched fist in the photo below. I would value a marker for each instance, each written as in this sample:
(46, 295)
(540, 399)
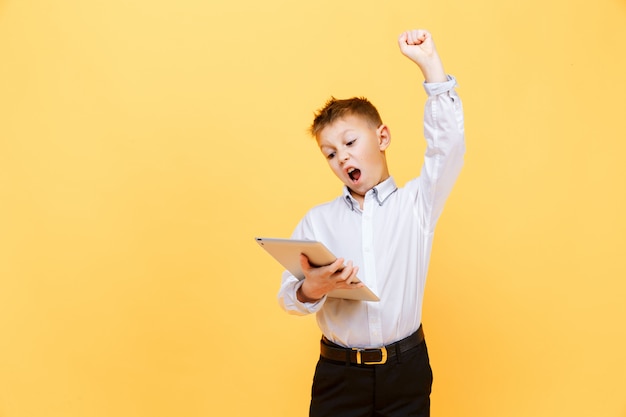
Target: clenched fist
(418, 46)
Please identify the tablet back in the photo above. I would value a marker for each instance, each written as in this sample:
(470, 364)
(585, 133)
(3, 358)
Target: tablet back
(287, 253)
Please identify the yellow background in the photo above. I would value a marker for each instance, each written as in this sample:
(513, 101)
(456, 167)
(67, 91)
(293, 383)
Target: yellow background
(143, 144)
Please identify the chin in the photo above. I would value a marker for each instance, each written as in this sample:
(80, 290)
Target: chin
(358, 190)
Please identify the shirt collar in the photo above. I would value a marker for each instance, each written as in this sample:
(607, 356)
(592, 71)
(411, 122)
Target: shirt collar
(380, 193)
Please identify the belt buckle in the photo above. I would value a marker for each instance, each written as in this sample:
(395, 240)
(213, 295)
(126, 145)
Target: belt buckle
(359, 359)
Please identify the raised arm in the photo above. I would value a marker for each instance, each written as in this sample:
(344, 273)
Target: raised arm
(443, 127)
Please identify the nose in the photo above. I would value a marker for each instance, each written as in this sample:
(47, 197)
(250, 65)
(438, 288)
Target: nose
(344, 156)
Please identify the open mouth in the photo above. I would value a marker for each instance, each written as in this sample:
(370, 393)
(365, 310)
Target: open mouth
(354, 174)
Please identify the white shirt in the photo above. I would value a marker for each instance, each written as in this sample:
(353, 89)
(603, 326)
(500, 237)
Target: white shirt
(390, 240)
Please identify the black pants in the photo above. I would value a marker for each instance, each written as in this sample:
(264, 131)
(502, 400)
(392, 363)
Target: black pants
(400, 387)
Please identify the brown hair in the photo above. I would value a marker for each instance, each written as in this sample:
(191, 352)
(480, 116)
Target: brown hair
(336, 109)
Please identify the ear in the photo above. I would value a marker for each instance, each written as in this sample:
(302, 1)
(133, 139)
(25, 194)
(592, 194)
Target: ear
(384, 137)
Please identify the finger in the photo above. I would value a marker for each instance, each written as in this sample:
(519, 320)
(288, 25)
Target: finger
(305, 265)
(353, 282)
(342, 273)
(423, 36)
(417, 36)
(336, 266)
(403, 39)
(352, 279)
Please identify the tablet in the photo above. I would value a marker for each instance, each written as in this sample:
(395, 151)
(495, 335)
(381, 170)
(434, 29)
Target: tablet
(287, 253)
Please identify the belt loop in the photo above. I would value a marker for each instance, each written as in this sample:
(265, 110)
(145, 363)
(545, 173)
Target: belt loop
(398, 353)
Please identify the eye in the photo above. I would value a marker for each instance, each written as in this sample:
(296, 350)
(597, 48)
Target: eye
(330, 155)
(351, 142)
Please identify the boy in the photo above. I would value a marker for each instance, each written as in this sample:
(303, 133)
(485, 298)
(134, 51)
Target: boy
(373, 359)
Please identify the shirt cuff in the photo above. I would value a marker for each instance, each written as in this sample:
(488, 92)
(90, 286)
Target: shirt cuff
(307, 307)
(434, 89)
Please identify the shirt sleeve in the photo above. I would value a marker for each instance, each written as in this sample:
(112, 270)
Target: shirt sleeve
(287, 298)
(445, 138)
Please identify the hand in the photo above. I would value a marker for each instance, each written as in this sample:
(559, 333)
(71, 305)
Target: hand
(319, 281)
(419, 47)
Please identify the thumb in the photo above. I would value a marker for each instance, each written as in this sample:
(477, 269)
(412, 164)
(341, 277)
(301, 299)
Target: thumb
(403, 39)
(304, 262)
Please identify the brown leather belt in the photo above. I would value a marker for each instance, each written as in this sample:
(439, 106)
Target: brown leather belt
(374, 356)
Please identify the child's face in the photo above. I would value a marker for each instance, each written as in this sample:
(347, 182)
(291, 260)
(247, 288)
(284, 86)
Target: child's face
(355, 151)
